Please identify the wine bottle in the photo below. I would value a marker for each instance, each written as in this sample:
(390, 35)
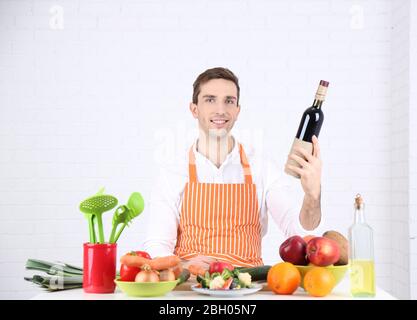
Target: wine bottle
(310, 126)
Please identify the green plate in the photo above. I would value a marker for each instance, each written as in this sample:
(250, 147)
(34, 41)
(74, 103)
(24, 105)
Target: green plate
(146, 289)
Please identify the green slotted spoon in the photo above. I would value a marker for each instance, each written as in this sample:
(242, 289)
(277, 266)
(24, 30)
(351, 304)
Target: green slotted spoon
(94, 207)
(126, 213)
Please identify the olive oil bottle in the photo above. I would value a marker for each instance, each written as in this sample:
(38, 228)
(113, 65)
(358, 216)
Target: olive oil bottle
(361, 254)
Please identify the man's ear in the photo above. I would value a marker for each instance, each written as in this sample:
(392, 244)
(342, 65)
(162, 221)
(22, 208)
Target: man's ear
(194, 110)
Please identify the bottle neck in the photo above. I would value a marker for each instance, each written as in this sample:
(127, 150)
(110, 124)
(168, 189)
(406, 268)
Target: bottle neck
(359, 215)
(317, 103)
(320, 94)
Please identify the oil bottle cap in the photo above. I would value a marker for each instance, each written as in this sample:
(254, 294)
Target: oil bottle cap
(359, 204)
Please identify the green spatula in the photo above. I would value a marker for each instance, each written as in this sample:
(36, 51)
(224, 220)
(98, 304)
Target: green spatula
(126, 213)
(94, 207)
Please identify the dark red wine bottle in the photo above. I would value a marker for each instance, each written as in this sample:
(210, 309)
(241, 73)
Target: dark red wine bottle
(310, 126)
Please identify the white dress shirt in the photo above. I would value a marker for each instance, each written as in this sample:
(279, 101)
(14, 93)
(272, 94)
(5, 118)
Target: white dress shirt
(276, 195)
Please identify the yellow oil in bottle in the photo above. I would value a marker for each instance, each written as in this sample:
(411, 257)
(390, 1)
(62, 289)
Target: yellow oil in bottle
(361, 254)
(362, 278)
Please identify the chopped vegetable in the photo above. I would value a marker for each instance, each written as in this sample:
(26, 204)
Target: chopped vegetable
(227, 284)
(227, 280)
(217, 283)
(226, 274)
(235, 284)
(204, 281)
(245, 279)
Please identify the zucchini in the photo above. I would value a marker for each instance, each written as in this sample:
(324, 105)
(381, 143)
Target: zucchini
(257, 273)
(183, 277)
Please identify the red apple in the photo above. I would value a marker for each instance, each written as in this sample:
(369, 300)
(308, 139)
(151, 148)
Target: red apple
(322, 251)
(293, 250)
(218, 266)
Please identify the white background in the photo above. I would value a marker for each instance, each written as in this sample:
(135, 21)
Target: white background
(92, 93)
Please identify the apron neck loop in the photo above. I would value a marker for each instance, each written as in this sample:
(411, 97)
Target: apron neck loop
(244, 161)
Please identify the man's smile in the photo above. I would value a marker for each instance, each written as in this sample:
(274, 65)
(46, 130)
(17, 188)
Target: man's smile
(219, 122)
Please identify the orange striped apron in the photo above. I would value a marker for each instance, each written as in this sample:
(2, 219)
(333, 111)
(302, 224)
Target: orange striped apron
(220, 220)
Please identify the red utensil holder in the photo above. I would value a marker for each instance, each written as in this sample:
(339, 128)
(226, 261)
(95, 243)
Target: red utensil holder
(99, 269)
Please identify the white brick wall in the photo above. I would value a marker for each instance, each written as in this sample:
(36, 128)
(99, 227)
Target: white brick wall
(404, 137)
(413, 150)
(81, 106)
(399, 148)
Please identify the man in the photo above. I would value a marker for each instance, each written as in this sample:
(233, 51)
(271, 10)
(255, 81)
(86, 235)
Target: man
(215, 206)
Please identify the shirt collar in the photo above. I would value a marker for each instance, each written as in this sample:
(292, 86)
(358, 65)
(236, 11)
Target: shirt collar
(232, 155)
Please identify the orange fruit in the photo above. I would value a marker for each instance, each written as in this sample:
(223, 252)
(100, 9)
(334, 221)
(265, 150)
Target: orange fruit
(283, 278)
(319, 282)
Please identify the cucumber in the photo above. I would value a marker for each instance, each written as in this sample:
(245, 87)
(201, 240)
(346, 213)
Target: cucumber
(257, 273)
(183, 277)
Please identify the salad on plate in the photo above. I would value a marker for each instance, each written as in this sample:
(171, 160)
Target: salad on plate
(225, 280)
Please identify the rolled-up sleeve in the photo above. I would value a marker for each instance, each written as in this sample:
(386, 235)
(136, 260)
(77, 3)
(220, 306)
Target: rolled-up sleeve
(163, 220)
(284, 200)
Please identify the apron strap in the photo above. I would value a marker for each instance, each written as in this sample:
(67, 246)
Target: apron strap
(245, 165)
(192, 169)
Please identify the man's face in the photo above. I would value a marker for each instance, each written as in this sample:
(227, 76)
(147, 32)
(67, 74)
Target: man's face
(217, 108)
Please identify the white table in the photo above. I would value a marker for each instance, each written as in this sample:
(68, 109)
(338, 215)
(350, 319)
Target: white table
(340, 292)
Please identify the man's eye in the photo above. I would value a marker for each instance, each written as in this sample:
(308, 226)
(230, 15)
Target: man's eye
(209, 100)
(230, 101)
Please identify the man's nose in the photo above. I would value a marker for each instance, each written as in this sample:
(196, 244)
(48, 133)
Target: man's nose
(221, 107)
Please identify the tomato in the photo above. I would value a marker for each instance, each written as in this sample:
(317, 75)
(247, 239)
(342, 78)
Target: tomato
(129, 273)
(218, 266)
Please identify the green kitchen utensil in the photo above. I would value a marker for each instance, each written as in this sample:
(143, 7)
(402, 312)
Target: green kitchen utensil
(96, 206)
(119, 217)
(90, 219)
(126, 213)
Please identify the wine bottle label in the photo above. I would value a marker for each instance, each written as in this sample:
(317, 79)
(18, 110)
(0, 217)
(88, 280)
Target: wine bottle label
(321, 92)
(298, 143)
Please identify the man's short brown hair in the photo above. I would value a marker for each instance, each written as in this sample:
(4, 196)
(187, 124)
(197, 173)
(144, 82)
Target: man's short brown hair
(214, 73)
